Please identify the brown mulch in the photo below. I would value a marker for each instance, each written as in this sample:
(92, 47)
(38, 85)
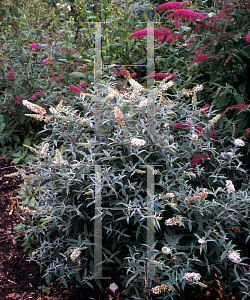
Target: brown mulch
(20, 279)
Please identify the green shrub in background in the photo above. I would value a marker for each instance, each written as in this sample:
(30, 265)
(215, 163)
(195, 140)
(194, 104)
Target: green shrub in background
(209, 42)
(200, 193)
(36, 63)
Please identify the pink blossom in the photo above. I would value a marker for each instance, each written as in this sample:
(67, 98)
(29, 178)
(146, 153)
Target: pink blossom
(18, 99)
(198, 159)
(83, 84)
(33, 46)
(133, 74)
(230, 56)
(204, 108)
(11, 75)
(48, 61)
(91, 113)
(169, 38)
(180, 126)
(198, 27)
(164, 75)
(75, 88)
(248, 38)
(172, 6)
(195, 161)
(198, 128)
(124, 72)
(213, 135)
(37, 94)
(187, 15)
(243, 107)
(199, 58)
(157, 32)
(160, 34)
(4, 57)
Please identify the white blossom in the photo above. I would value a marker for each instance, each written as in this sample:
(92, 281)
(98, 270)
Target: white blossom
(166, 125)
(156, 290)
(168, 195)
(223, 154)
(166, 250)
(75, 254)
(230, 186)
(192, 276)
(113, 287)
(202, 241)
(195, 137)
(214, 119)
(174, 221)
(239, 142)
(35, 108)
(136, 85)
(137, 142)
(234, 257)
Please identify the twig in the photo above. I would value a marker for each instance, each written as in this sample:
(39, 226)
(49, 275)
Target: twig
(7, 167)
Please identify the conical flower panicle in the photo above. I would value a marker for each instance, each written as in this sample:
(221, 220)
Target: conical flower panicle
(35, 108)
(119, 116)
(136, 85)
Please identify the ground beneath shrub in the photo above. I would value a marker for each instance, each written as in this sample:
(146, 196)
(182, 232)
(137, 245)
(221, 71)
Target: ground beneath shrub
(20, 279)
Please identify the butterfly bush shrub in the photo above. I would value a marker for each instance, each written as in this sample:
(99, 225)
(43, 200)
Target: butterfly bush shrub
(209, 41)
(201, 197)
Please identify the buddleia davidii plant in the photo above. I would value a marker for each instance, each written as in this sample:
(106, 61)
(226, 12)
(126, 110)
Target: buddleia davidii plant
(197, 243)
(65, 174)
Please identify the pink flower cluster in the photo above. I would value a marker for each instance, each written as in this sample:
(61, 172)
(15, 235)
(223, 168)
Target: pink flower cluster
(170, 38)
(18, 99)
(224, 12)
(172, 6)
(37, 94)
(204, 108)
(164, 75)
(180, 126)
(198, 159)
(160, 34)
(91, 113)
(48, 61)
(187, 15)
(199, 129)
(201, 58)
(230, 56)
(75, 88)
(243, 107)
(213, 135)
(248, 38)
(11, 75)
(124, 72)
(82, 84)
(33, 46)
(210, 26)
